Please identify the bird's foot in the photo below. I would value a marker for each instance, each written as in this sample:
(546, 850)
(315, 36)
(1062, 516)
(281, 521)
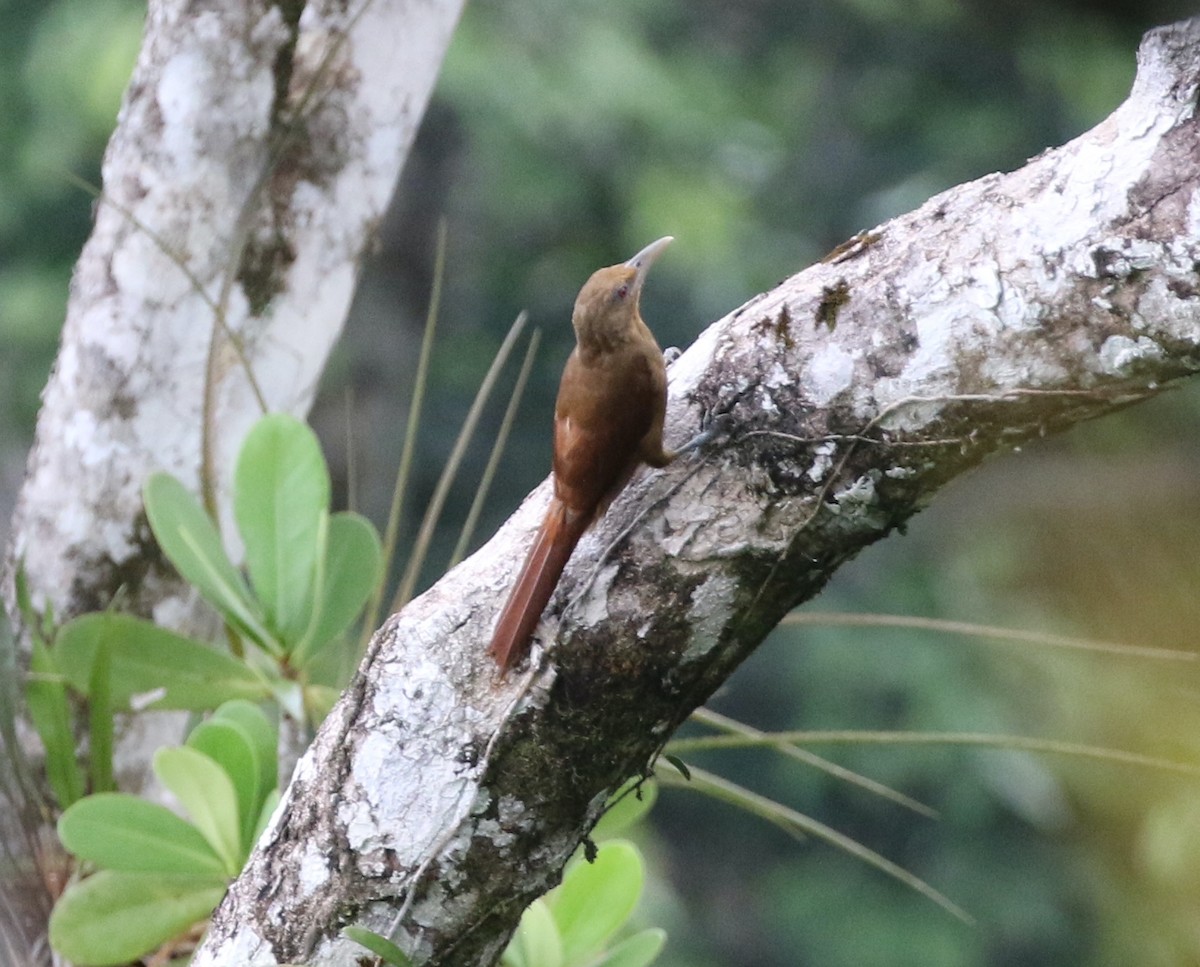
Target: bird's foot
(716, 424)
(671, 353)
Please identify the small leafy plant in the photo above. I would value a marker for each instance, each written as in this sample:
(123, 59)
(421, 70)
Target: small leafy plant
(158, 874)
(310, 574)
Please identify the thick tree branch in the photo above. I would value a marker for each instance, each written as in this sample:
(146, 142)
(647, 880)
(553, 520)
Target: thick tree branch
(439, 801)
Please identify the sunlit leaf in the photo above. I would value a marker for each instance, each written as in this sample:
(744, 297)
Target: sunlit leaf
(637, 951)
(627, 806)
(596, 898)
(537, 942)
(46, 698)
(351, 572)
(144, 658)
(188, 537)
(281, 488)
(112, 918)
(207, 795)
(378, 945)
(120, 832)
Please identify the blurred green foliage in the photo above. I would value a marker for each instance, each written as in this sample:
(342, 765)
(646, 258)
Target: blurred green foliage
(564, 135)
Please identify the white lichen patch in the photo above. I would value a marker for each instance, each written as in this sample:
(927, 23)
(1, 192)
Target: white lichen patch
(1163, 305)
(492, 830)
(685, 518)
(1021, 370)
(1120, 353)
(711, 604)
(822, 460)
(314, 869)
(1192, 229)
(934, 353)
(859, 494)
(593, 607)
(244, 947)
(374, 818)
(829, 373)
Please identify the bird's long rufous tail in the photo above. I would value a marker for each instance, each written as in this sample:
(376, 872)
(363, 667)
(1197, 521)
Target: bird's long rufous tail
(557, 537)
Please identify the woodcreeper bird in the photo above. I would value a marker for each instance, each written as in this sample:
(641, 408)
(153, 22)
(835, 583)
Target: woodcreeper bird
(607, 421)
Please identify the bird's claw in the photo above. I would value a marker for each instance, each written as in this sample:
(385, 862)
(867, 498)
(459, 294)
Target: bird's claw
(716, 424)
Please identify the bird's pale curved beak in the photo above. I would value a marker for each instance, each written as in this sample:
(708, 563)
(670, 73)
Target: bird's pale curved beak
(647, 257)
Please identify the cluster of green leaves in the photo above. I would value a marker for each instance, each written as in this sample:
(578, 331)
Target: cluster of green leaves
(310, 574)
(573, 923)
(158, 874)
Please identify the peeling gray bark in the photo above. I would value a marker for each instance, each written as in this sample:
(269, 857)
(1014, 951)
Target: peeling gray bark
(437, 801)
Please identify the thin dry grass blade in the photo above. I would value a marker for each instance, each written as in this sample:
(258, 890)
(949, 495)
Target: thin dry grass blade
(732, 727)
(489, 472)
(1009, 635)
(399, 488)
(438, 501)
(797, 823)
(1018, 743)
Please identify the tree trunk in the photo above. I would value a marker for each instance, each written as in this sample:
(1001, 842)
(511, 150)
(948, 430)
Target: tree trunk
(257, 147)
(437, 801)
(256, 150)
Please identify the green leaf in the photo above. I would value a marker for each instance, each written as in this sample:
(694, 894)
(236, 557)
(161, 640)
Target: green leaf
(227, 744)
(206, 793)
(120, 832)
(637, 951)
(353, 562)
(100, 722)
(680, 766)
(378, 945)
(537, 942)
(596, 898)
(46, 698)
(40, 623)
(626, 806)
(280, 490)
(263, 735)
(241, 740)
(147, 660)
(187, 536)
(112, 918)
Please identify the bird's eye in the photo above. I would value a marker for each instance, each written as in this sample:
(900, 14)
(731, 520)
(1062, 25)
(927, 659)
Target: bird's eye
(621, 292)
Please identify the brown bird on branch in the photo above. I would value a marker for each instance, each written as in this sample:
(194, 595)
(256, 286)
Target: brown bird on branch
(608, 419)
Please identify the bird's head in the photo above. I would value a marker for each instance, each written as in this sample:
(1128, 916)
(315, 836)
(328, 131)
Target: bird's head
(608, 303)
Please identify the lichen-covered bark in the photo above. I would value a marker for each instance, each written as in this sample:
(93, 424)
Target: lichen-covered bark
(257, 146)
(437, 801)
(256, 149)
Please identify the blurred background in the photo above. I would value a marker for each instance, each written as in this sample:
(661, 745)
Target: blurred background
(563, 136)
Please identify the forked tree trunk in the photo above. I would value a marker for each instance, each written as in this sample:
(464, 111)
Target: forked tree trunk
(437, 801)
